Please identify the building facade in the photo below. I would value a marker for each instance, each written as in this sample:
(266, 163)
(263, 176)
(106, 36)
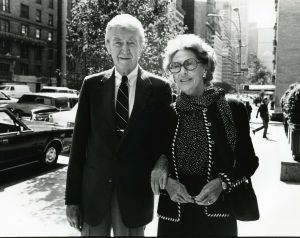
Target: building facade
(287, 47)
(265, 47)
(176, 11)
(229, 63)
(188, 7)
(28, 42)
(252, 39)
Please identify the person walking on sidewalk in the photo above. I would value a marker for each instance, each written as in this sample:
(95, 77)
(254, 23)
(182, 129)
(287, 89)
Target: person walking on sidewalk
(118, 137)
(264, 114)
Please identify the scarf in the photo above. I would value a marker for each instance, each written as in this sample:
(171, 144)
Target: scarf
(186, 103)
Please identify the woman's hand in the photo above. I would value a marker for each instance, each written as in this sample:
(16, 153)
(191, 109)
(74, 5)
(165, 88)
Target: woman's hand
(210, 192)
(159, 174)
(178, 192)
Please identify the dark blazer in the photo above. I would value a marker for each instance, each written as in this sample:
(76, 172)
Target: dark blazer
(99, 164)
(235, 164)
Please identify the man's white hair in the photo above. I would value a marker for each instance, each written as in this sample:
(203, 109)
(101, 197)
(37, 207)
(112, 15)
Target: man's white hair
(125, 21)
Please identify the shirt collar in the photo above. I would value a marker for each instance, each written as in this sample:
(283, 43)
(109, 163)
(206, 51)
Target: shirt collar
(132, 76)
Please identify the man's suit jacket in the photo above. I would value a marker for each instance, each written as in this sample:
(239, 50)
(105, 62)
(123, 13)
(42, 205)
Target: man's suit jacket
(99, 164)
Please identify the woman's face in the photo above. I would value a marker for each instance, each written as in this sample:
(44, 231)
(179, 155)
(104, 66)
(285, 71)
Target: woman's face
(189, 82)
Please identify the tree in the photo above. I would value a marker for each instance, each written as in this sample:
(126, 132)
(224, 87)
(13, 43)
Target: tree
(259, 74)
(87, 31)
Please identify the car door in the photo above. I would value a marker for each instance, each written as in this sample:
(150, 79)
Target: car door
(17, 143)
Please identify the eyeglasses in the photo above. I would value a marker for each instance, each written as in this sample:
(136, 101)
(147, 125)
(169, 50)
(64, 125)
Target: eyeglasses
(189, 64)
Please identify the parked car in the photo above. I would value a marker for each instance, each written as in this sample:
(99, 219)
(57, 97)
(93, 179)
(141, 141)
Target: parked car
(23, 143)
(66, 118)
(5, 99)
(15, 90)
(37, 106)
(52, 89)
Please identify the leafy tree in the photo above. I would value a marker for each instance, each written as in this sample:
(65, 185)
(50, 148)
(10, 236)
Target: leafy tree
(259, 73)
(86, 36)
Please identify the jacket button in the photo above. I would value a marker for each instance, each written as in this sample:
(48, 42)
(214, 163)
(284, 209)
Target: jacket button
(110, 180)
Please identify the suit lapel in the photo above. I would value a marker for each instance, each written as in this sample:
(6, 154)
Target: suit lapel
(108, 103)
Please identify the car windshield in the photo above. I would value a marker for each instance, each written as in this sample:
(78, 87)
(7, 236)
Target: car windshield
(35, 99)
(4, 87)
(48, 90)
(62, 103)
(54, 90)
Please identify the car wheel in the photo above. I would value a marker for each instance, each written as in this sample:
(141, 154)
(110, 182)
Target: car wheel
(51, 155)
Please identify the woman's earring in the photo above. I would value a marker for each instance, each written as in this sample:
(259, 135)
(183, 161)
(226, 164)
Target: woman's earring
(204, 74)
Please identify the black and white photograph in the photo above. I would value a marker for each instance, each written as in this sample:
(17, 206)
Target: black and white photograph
(150, 118)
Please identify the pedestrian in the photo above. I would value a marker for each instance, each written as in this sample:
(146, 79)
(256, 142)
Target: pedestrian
(264, 115)
(117, 139)
(206, 133)
(249, 110)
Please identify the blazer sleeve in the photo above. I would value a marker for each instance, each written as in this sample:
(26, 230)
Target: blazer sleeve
(78, 148)
(246, 161)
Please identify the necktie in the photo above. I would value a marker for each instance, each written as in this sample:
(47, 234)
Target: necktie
(122, 114)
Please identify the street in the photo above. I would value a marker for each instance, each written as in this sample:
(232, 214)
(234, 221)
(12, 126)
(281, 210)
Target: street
(33, 203)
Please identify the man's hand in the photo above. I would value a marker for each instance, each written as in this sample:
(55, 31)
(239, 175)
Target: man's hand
(210, 192)
(159, 174)
(178, 192)
(74, 216)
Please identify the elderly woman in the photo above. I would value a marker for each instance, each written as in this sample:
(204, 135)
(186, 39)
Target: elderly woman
(210, 149)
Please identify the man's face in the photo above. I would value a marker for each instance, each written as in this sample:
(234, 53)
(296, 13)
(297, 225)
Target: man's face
(124, 45)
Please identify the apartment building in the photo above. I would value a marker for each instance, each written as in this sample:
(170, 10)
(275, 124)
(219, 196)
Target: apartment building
(28, 42)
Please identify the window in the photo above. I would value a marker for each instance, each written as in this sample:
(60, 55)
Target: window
(37, 70)
(62, 103)
(24, 30)
(38, 33)
(51, 4)
(50, 36)
(4, 25)
(24, 69)
(73, 102)
(4, 47)
(4, 5)
(38, 16)
(24, 11)
(25, 51)
(50, 20)
(38, 1)
(51, 71)
(7, 124)
(38, 53)
(4, 68)
(50, 54)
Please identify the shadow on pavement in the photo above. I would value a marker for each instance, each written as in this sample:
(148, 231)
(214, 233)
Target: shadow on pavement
(19, 175)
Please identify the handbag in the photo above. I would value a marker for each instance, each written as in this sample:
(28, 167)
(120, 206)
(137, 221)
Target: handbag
(243, 201)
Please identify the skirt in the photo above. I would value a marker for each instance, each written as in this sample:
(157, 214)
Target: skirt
(194, 222)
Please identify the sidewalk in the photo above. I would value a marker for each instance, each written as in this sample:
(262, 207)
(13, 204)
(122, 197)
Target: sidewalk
(279, 201)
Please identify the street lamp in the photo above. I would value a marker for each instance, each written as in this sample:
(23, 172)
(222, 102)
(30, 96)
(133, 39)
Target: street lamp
(240, 51)
(238, 29)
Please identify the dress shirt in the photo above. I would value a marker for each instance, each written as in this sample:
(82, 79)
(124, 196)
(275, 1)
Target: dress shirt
(132, 77)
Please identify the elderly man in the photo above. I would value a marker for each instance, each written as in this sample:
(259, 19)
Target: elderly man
(118, 137)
